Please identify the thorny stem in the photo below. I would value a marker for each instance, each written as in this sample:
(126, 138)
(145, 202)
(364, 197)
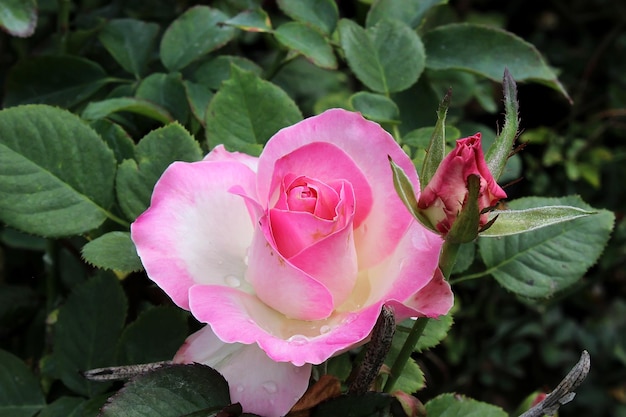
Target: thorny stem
(564, 392)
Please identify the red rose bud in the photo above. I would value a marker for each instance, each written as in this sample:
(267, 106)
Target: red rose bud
(446, 194)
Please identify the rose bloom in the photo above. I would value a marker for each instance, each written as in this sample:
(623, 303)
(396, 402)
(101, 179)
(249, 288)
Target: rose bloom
(446, 193)
(289, 257)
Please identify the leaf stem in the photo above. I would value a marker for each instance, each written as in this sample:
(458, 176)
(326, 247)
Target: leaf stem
(405, 352)
(469, 277)
(279, 62)
(117, 219)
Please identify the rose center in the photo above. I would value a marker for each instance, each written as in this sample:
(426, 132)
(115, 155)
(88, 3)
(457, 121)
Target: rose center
(302, 198)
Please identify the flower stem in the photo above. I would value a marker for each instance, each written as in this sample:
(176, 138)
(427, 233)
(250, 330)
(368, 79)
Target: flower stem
(447, 259)
(405, 353)
(63, 23)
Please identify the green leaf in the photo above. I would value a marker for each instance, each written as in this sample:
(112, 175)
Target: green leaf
(131, 43)
(500, 150)
(101, 109)
(116, 138)
(256, 20)
(434, 332)
(20, 393)
(388, 57)
(18, 17)
(114, 251)
(166, 91)
(375, 107)
(410, 12)
(512, 222)
(56, 174)
(193, 35)
(170, 391)
(57, 80)
(198, 96)
(455, 405)
(363, 405)
(212, 73)
(153, 154)
(86, 332)
(437, 146)
(247, 111)
(62, 407)
(544, 261)
(321, 14)
(496, 48)
(155, 336)
(308, 42)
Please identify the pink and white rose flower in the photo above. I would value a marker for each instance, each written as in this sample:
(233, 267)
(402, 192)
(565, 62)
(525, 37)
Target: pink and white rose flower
(290, 256)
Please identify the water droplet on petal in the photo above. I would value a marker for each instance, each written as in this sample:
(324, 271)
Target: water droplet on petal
(298, 339)
(232, 281)
(270, 387)
(325, 329)
(240, 388)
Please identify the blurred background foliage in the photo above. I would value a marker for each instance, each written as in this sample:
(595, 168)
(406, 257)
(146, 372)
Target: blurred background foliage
(501, 347)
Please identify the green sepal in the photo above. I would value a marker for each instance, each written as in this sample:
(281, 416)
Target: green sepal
(466, 225)
(437, 146)
(512, 222)
(405, 191)
(500, 150)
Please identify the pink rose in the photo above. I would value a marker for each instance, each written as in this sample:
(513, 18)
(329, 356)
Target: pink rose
(446, 193)
(289, 257)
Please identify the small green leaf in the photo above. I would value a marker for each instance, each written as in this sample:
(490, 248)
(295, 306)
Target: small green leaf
(170, 391)
(512, 222)
(388, 57)
(256, 20)
(497, 48)
(114, 251)
(193, 35)
(437, 146)
(410, 12)
(198, 96)
(116, 138)
(18, 17)
(56, 174)
(375, 107)
(212, 73)
(101, 109)
(154, 153)
(308, 42)
(455, 405)
(166, 91)
(321, 14)
(131, 43)
(20, 393)
(155, 336)
(247, 111)
(86, 332)
(539, 263)
(500, 150)
(434, 332)
(57, 80)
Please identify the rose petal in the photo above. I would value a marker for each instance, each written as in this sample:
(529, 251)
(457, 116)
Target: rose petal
(283, 339)
(368, 146)
(409, 269)
(434, 300)
(195, 230)
(219, 153)
(281, 285)
(271, 390)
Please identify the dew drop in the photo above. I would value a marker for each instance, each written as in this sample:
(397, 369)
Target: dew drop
(240, 388)
(270, 387)
(298, 339)
(324, 329)
(232, 281)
